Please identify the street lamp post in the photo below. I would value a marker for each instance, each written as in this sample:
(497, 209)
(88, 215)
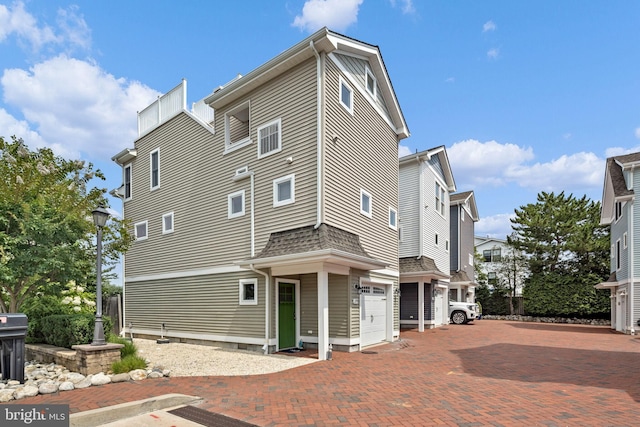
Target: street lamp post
(100, 216)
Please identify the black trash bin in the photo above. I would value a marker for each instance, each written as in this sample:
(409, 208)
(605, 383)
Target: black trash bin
(13, 330)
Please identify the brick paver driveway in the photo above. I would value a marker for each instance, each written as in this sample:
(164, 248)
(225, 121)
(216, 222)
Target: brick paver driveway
(488, 373)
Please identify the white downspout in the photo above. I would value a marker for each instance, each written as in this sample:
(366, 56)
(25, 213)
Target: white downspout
(267, 303)
(319, 134)
(421, 209)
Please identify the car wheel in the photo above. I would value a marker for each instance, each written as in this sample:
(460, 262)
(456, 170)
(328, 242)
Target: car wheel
(458, 317)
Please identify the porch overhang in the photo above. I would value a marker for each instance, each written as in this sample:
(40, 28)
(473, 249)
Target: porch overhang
(611, 282)
(419, 268)
(332, 260)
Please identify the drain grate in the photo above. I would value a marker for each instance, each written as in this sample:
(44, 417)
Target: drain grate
(208, 419)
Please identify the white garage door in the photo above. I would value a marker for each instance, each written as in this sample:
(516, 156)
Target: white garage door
(373, 315)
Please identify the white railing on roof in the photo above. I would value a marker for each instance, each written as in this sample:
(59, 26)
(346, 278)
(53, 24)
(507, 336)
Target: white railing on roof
(165, 107)
(203, 111)
(170, 104)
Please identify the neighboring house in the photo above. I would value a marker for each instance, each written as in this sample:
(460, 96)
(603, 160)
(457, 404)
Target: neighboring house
(273, 222)
(425, 183)
(462, 219)
(493, 251)
(620, 212)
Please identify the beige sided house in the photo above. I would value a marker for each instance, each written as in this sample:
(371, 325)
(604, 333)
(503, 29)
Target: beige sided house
(272, 222)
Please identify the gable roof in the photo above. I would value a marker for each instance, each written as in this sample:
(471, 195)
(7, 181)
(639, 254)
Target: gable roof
(443, 158)
(465, 198)
(615, 186)
(325, 41)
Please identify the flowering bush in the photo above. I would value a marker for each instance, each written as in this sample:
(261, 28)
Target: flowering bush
(77, 299)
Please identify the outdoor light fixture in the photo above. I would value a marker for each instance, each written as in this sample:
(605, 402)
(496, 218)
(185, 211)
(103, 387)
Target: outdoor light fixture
(100, 216)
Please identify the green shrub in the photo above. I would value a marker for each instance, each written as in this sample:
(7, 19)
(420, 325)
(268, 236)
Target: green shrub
(129, 348)
(128, 363)
(67, 330)
(36, 309)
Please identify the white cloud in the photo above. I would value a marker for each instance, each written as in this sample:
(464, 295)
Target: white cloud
(15, 20)
(478, 163)
(493, 53)
(619, 151)
(405, 5)
(403, 150)
(12, 127)
(566, 173)
(488, 26)
(450, 80)
(497, 226)
(336, 14)
(493, 164)
(77, 106)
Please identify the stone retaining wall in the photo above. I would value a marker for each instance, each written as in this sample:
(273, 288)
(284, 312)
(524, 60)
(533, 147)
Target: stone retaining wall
(86, 359)
(574, 321)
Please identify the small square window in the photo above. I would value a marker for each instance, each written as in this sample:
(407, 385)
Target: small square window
(167, 223)
(393, 218)
(236, 204)
(284, 190)
(346, 96)
(365, 203)
(269, 138)
(155, 168)
(370, 82)
(248, 292)
(140, 230)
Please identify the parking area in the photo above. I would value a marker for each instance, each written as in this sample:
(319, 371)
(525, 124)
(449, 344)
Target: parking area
(485, 373)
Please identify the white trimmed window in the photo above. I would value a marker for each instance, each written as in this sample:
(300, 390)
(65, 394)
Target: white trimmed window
(346, 96)
(127, 182)
(154, 167)
(269, 138)
(439, 199)
(370, 82)
(393, 218)
(366, 203)
(236, 204)
(284, 190)
(140, 230)
(167, 223)
(236, 127)
(624, 240)
(248, 291)
(446, 245)
(618, 255)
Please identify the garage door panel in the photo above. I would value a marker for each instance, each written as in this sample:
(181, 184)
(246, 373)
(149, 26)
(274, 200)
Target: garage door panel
(373, 318)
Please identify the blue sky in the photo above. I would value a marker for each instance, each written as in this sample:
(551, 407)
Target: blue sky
(527, 96)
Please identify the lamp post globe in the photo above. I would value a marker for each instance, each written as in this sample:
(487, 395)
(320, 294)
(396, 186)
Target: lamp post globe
(100, 217)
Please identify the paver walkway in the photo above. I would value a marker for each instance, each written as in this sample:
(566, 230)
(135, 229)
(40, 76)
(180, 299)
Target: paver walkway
(489, 373)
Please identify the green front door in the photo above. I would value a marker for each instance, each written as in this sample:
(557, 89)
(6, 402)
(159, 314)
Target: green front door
(286, 316)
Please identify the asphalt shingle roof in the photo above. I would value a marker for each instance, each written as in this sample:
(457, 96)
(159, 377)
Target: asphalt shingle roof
(309, 239)
(422, 264)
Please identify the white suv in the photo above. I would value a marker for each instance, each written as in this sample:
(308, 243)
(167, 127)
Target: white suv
(462, 312)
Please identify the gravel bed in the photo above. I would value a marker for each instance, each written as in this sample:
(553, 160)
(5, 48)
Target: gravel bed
(190, 360)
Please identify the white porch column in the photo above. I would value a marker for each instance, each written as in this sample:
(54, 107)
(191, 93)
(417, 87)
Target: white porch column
(323, 314)
(421, 306)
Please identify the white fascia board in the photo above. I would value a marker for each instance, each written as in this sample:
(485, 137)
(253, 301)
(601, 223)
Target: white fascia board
(330, 256)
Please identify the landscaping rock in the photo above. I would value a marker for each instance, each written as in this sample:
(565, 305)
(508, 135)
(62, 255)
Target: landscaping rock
(7, 394)
(48, 388)
(66, 386)
(138, 374)
(26, 391)
(100, 379)
(120, 378)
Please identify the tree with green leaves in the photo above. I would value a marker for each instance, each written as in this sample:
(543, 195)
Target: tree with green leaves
(512, 271)
(47, 235)
(567, 251)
